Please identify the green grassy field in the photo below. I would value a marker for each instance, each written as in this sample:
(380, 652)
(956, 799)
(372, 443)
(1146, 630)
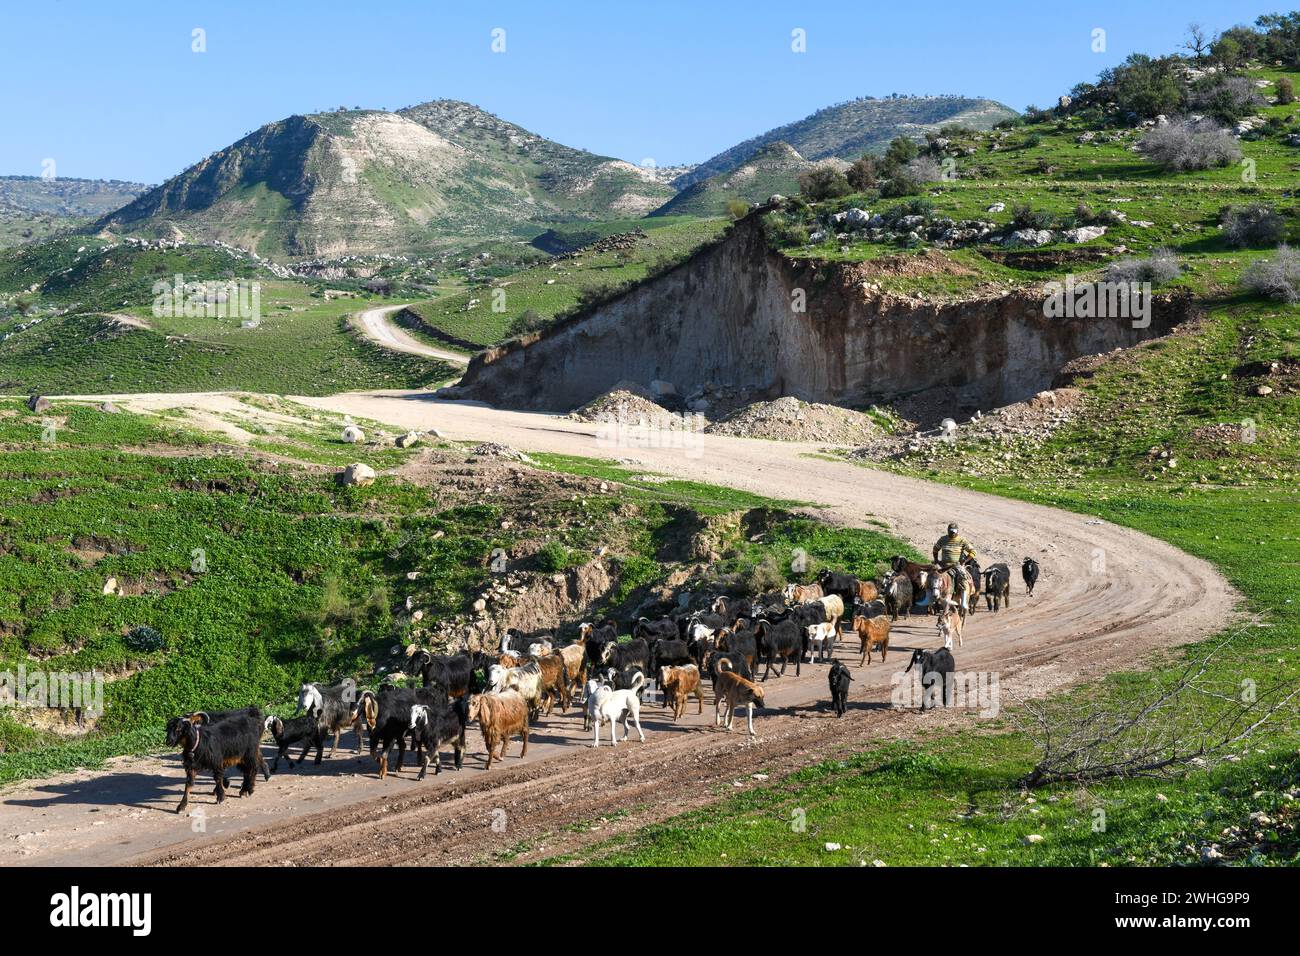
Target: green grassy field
(302, 345)
(554, 288)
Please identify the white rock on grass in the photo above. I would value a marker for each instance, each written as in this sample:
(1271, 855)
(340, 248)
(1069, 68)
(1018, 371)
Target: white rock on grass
(357, 474)
(353, 435)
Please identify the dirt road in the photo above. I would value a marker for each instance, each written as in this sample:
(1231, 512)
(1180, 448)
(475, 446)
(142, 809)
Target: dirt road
(1107, 598)
(374, 324)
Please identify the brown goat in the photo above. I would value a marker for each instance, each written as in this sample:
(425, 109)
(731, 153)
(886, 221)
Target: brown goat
(575, 663)
(873, 632)
(555, 681)
(867, 591)
(678, 684)
(802, 593)
(499, 716)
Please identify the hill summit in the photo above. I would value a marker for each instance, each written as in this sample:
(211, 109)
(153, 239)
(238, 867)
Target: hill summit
(371, 181)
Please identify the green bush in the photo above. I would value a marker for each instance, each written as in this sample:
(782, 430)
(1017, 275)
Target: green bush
(823, 182)
(554, 557)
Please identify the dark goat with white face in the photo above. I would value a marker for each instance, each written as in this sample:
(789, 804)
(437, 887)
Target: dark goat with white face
(335, 709)
(286, 733)
(436, 724)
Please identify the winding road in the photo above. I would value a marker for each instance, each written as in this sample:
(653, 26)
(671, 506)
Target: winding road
(1109, 597)
(374, 324)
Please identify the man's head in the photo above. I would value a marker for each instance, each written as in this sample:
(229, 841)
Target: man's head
(952, 529)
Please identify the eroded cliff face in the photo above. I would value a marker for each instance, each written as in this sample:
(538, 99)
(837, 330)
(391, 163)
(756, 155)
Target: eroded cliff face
(726, 318)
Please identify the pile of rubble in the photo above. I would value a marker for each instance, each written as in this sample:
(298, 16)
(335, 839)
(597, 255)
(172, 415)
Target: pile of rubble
(626, 402)
(789, 419)
(1033, 420)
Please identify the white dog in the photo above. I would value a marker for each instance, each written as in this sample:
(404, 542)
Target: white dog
(606, 704)
(821, 640)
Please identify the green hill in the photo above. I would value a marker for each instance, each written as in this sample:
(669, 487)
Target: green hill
(366, 181)
(773, 169)
(847, 130)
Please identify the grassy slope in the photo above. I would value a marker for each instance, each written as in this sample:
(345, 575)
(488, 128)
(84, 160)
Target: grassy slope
(302, 346)
(303, 579)
(952, 798)
(669, 240)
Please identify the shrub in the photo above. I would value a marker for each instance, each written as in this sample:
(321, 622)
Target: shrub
(913, 207)
(862, 174)
(528, 321)
(144, 639)
(900, 184)
(1158, 268)
(1025, 216)
(823, 182)
(554, 557)
(1285, 91)
(1146, 86)
(1083, 213)
(901, 150)
(764, 576)
(1188, 144)
(1226, 98)
(923, 169)
(1258, 224)
(1277, 277)
(737, 208)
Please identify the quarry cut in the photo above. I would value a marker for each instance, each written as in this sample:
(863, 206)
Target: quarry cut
(725, 319)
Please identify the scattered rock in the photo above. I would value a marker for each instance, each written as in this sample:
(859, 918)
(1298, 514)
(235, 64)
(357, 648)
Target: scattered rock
(357, 474)
(1084, 233)
(1029, 237)
(407, 440)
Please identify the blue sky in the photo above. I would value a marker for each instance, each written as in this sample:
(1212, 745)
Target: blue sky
(113, 89)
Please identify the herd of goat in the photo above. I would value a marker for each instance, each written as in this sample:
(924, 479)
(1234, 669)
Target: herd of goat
(506, 692)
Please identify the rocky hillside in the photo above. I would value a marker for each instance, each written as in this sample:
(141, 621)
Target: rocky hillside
(32, 207)
(847, 130)
(366, 181)
(775, 168)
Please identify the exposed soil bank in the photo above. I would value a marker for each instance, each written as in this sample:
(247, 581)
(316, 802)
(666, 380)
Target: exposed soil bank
(724, 319)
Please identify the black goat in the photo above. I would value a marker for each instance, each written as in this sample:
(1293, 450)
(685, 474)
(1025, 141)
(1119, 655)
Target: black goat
(784, 639)
(839, 679)
(453, 671)
(622, 656)
(393, 720)
(743, 643)
(935, 668)
(843, 585)
(215, 745)
(1029, 571)
(997, 586)
(176, 726)
(286, 733)
(650, 630)
(596, 638)
(433, 725)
